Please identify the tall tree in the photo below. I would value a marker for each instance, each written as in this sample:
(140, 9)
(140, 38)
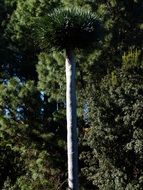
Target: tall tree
(69, 29)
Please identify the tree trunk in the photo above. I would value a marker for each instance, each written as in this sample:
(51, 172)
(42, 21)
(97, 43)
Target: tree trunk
(72, 144)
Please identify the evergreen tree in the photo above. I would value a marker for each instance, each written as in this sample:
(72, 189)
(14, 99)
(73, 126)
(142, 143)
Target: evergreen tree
(28, 120)
(116, 134)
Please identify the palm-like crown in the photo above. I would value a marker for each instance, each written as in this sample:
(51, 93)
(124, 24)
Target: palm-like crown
(67, 29)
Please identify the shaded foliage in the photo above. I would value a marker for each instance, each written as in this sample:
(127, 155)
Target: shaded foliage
(116, 135)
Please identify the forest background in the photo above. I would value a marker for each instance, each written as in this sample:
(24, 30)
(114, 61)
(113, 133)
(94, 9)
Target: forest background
(109, 96)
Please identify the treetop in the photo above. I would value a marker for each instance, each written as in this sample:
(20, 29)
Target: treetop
(67, 29)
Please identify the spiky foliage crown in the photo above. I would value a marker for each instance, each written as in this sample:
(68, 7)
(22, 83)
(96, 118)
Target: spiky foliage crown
(67, 29)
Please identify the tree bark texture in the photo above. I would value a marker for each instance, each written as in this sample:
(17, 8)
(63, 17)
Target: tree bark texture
(72, 139)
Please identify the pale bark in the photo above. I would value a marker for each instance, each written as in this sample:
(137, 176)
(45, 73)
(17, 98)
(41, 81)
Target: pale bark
(72, 140)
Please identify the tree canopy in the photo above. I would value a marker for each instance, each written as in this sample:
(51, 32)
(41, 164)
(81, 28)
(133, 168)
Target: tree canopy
(67, 29)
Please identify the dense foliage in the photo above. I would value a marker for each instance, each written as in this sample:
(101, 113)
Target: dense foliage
(116, 135)
(110, 99)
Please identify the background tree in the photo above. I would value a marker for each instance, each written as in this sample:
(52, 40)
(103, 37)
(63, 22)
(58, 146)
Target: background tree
(19, 99)
(116, 134)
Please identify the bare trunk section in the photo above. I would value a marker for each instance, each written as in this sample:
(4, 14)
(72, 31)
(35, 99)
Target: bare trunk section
(72, 144)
